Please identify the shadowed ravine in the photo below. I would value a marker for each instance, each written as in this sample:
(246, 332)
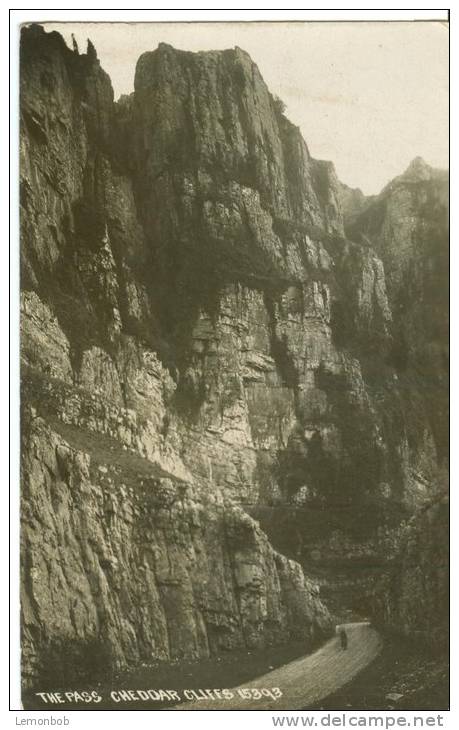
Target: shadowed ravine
(306, 681)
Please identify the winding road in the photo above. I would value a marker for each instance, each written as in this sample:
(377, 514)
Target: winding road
(305, 681)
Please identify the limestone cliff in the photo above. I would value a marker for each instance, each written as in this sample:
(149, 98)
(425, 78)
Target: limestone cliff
(200, 340)
(407, 225)
(413, 600)
(130, 549)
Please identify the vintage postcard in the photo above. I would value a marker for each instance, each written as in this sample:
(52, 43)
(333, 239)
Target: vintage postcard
(234, 244)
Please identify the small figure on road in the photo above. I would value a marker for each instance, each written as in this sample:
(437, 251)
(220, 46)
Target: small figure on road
(343, 637)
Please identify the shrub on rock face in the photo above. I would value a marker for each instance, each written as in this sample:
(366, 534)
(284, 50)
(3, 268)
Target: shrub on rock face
(279, 105)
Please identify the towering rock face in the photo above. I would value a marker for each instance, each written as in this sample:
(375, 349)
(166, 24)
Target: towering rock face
(408, 227)
(200, 340)
(407, 224)
(133, 545)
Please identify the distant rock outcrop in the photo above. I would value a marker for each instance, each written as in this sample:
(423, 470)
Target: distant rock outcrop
(408, 227)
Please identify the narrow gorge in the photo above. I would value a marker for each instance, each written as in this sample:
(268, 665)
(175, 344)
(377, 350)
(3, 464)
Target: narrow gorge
(234, 371)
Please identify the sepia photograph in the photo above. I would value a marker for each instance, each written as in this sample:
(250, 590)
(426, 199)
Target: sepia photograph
(234, 359)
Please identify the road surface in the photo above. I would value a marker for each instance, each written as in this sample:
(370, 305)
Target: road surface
(305, 681)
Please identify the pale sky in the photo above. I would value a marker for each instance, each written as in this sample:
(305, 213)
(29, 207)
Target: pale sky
(368, 96)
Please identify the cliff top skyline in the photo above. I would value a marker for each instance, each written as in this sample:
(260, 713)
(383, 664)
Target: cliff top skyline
(370, 97)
